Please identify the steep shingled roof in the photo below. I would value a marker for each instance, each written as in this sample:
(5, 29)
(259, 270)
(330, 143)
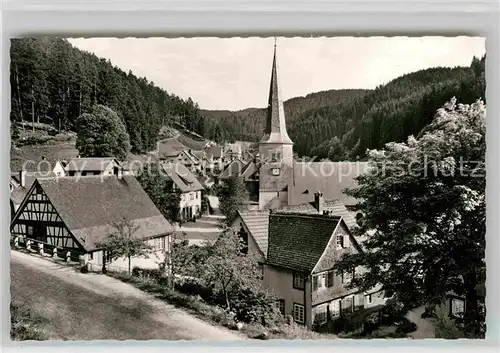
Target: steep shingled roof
(214, 152)
(297, 241)
(182, 177)
(334, 207)
(233, 169)
(91, 164)
(257, 223)
(329, 177)
(90, 205)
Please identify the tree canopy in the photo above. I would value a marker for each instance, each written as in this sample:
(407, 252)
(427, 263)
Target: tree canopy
(159, 190)
(54, 83)
(423, 214)
(232, 194)
(123, 242)
(101, 133)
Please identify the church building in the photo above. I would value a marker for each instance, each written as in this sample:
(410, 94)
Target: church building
(284, 181)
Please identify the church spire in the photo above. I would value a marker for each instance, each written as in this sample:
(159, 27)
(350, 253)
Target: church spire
(275, 130)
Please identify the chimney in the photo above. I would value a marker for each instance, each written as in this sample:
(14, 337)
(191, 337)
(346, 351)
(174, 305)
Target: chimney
(22, 178)
(318, 202)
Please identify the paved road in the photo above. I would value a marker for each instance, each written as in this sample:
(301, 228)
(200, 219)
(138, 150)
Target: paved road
(79, 306)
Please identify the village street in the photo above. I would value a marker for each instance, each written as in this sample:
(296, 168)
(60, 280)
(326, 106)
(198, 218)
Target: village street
(78, 306)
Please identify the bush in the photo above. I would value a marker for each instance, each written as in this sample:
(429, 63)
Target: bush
(250, 306)
(24, 324)
(406, 327)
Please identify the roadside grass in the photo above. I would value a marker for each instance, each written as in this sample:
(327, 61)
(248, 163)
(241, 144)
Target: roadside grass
(25, 325)
(216, 315)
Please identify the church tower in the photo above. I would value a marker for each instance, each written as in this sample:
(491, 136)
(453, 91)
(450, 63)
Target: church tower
(275, 149)
(275, 145)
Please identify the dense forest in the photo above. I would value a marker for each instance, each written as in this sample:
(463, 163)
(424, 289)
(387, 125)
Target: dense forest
(345, 128)
(248, 124)
(54, 83)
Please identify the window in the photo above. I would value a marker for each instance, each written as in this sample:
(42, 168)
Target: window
(457, 307)
(91, 256)
(347, 304)
(71, 173)
(191, 196)
(347, 276)
(275, 171)
(331, 275)
(84, 173)
(298, 281)
(319, 281)
(197, 195)
(335, 308)
(315, 283)
(29, 231)
(281, 306)
(321, 314)
(97, 173)
(368, 299)
(298, 313)
(340, 241)
(278, 156)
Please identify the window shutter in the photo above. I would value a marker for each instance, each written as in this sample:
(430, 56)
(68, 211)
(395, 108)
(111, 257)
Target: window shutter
(330, 278)
(315, 283)
(347, 241)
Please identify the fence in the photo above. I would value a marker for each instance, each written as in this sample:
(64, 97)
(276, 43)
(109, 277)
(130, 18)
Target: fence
(46, 249)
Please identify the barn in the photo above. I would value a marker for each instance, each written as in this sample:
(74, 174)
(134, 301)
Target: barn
(70, 216)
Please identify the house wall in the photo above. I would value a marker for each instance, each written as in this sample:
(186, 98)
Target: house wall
(285, 151)
(266, 196)
(59, 170)
(194, 203)
(280, 281)
(376, 299)
(152, 261)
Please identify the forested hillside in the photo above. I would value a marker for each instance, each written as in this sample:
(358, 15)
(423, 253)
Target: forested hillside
(343, 124)
(389, 113)
(248, 124)
(53, 83)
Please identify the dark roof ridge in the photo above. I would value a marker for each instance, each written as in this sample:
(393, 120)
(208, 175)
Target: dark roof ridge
(305, 215)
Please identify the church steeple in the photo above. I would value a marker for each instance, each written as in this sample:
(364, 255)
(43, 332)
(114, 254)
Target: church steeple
(275, 130)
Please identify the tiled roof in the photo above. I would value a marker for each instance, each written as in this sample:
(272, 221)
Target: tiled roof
(170, 148)
(233, 169)
(250, 169)
(334, 207)
(214, 151)
(297, 241)
(92, 164)
(257, 223)
(30, 178)
(90, 205)
(331, 178)
(18, 194)
(182, 177)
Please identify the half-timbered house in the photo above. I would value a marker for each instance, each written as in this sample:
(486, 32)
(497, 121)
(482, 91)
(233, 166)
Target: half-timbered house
(61, 215)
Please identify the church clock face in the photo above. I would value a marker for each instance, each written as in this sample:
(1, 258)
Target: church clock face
(275, 171)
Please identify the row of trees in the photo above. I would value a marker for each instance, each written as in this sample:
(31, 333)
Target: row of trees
(424, 216)
(55, 83)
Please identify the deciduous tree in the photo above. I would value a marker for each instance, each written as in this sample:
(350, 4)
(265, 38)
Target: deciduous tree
(423, 214)
(232, 194)
(101, 133)
(123, 242)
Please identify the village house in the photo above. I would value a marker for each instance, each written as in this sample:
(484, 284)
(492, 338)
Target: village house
(215, 158)
(68, 217)
(233, 151)
(183, 180)
(302, 250)
(252, 225)
(21, 181)
(104, 166)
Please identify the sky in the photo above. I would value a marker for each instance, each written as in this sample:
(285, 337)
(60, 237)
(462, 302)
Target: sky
(234, 73)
